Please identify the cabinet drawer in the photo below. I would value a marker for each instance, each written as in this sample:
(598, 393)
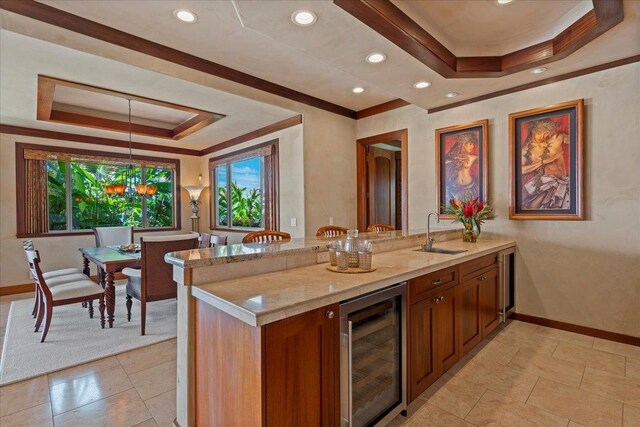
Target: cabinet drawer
(425, 286)
(472, 268)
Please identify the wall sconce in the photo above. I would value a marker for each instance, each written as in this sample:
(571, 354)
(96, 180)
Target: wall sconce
(194, 198)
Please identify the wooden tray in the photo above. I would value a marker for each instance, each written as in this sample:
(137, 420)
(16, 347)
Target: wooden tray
(350, 270)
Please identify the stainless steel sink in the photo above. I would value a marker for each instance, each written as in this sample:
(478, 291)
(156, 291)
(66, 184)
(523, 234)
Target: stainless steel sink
(442, 251)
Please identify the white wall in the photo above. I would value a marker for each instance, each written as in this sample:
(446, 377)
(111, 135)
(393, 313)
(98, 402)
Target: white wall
(581, 272)
(62, 251)
(291, 171)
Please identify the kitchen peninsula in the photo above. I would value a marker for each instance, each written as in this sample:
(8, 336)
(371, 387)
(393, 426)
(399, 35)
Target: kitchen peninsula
(258, 325)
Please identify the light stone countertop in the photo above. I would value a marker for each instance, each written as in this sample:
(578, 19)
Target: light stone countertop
(269, 297)
(249, 251)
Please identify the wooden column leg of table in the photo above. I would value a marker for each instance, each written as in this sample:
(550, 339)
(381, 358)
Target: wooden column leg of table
(110, 296)
(103, 278)
(85, 270)
(85, 266)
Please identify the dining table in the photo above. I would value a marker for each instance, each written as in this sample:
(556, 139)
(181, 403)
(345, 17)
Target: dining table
(109, 259)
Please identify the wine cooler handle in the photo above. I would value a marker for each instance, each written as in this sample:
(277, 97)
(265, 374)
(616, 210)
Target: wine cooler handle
(350, 372)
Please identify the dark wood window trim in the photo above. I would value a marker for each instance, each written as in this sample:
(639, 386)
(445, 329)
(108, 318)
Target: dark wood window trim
(20, 187)
(272, 189)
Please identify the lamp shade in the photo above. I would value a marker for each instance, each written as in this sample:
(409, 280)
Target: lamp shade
(194, 191)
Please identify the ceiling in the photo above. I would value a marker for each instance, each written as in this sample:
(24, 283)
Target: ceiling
(483, 28)
(325, 60)
(23, 58)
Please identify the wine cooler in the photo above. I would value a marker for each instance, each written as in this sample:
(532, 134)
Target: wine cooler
(372, 358)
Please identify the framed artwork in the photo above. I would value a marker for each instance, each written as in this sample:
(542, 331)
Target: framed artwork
(461, 163)
(546, 157)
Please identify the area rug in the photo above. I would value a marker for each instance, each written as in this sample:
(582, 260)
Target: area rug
(75, 339)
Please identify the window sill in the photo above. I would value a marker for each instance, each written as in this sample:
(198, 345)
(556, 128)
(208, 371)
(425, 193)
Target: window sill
(90, 233)
(236, 230)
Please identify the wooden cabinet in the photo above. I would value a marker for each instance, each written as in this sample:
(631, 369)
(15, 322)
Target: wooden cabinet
(479, 300)
(489, 301)
(433, 339)
(469, 313)
(422, 334)
(446, 319)
(283, 374)
(302, 365)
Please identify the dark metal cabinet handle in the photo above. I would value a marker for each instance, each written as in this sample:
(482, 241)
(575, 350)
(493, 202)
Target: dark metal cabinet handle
(329, 314)
(438, 300)
(436, 282)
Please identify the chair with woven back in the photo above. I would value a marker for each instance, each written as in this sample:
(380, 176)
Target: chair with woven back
(331, 231)
(83, 290)
(379, 228)
(54, 277)
(266, 236)
(154, 280)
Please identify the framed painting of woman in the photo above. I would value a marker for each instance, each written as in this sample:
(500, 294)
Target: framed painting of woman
(546, 155)
(461, 163)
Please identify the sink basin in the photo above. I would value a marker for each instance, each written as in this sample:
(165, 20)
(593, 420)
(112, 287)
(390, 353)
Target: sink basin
(443, 251)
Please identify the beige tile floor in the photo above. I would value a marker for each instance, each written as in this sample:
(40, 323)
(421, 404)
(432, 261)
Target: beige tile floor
(523, 375)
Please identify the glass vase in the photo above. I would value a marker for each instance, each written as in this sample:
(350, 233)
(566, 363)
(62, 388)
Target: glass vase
(471, 232)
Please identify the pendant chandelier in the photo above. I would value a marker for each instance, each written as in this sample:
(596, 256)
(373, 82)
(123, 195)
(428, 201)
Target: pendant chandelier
(130, 187)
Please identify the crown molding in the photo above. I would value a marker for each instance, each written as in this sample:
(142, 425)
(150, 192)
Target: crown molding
(59, 18)
(392, 23)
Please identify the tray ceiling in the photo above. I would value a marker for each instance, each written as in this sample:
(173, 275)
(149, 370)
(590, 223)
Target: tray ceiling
(325, 60)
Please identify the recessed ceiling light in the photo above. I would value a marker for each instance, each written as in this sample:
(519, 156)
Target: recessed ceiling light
(357, 89)
(421, 85)
(452, 94)
(539, 70)
(304, 18)
(376, 58)
(503, 1)
(185, 16)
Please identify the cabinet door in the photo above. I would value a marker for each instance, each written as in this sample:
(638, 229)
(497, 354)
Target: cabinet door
(422, 347)
(301, 365)
(489, 301)
(469, 314)
(448, 344)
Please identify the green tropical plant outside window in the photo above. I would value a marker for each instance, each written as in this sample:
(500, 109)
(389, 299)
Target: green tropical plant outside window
(240, 194)
(80, 187)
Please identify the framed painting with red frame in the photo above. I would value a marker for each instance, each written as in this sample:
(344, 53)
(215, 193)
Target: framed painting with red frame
(461, 163)
(546, 162)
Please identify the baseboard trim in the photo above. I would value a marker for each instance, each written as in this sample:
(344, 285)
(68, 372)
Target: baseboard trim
(29, 287)
(16, 289)
(584, 330)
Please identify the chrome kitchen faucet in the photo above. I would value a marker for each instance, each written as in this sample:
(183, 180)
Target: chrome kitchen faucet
(429, 243)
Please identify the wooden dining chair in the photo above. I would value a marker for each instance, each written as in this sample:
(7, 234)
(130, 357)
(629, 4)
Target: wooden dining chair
(331, 231)
(218, 240)
(154, 280)
(55, 277)
(266, 236)
(111, 236)
(379, 228)
(84, 290)
(204, 241)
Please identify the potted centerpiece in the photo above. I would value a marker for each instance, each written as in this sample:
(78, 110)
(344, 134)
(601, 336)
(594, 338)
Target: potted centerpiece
(471, 214)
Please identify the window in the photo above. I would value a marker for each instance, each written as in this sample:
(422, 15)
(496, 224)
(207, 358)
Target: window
(245, 189)
(65, 191)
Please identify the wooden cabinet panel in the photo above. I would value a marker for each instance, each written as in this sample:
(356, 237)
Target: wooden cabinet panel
(478, 266)
(425, 286)
(301, 368)
(489, 301)
(469, 314)
(449, 351)
(422, 347)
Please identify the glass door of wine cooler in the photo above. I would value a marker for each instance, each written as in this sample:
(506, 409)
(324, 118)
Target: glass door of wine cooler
(372, 353)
